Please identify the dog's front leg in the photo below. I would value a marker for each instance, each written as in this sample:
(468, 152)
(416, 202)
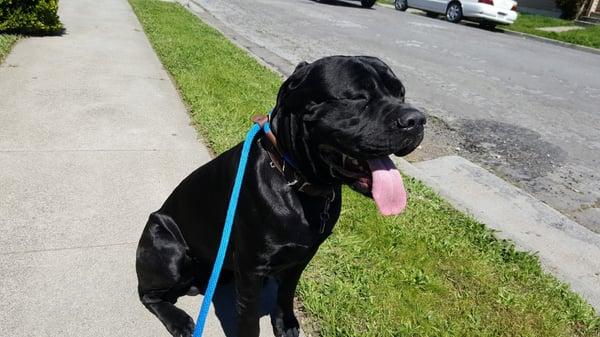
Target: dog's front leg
(248, 285)
(285, 323)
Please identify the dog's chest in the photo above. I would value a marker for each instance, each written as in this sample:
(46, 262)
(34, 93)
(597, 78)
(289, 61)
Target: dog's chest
(287, 250)
(296, 239)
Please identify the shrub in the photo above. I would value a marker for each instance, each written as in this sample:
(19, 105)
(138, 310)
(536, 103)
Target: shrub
(569, 8)
(29, 16)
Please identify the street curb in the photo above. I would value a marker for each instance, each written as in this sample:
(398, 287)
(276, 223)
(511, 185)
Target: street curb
(267, 58)
(551, 41)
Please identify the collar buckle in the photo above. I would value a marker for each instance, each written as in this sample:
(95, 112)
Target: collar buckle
(278, 161)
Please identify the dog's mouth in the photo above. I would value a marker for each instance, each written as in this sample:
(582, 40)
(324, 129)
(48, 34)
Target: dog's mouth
(377, 178)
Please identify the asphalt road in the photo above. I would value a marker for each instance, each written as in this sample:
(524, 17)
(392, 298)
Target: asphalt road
(527, 110)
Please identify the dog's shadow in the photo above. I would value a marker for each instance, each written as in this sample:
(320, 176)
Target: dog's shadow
(224, 304)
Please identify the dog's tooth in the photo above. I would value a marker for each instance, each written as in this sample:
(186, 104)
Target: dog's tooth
(355, 162)
(344, 157)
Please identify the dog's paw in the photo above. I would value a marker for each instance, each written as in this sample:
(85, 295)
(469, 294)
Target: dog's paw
(286, 327)
(182, 328)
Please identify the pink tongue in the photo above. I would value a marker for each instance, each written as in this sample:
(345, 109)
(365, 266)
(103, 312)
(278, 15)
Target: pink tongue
(388, 189)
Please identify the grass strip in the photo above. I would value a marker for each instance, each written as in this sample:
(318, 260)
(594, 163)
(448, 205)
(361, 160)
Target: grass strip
(431, 272)
(528, 23)
(6, 43)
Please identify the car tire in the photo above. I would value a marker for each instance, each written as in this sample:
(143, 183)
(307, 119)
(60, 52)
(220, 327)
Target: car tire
(431, 14)
(367, 3)
(454, 12)
(401, 5)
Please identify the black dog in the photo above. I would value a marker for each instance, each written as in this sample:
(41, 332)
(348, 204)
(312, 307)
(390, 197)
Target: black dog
(336, 121)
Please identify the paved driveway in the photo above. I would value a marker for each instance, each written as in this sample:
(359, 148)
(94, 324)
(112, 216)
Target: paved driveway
(528, 110)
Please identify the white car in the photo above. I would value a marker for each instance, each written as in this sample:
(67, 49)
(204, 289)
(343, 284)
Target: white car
(487, 12)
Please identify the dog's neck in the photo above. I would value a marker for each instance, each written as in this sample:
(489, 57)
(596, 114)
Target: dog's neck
(285, 165)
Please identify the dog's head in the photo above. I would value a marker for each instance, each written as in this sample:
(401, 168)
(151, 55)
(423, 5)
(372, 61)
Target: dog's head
(340, 118)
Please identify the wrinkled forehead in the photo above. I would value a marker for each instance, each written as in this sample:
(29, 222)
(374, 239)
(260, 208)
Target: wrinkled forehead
(356, 77)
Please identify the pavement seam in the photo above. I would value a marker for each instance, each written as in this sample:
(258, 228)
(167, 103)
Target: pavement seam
(32, 251)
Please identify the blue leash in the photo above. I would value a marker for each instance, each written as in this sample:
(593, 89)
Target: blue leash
(235, 194)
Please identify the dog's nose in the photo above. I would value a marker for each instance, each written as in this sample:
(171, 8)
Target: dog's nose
(411, 118)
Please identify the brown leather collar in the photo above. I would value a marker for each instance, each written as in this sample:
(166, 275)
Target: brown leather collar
(278, 162)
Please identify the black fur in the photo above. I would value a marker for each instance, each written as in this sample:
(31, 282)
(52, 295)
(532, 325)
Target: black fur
(336, 105)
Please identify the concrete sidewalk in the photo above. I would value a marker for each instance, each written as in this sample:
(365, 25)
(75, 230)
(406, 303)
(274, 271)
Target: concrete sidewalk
(93, 137)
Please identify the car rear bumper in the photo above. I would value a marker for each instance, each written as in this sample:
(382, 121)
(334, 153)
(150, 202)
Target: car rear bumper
(488, 12)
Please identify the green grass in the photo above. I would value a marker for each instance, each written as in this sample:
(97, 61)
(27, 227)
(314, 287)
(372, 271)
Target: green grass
(431, 272)
(6, 43)
(532, 21)
(527, 23)
(221, 85)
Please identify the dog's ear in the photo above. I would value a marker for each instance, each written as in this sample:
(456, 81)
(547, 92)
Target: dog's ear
(301, 65)
(287, 103)
(290, 96)
(298, 76)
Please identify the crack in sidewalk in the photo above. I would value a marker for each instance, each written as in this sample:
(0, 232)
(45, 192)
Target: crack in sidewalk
(67, 248)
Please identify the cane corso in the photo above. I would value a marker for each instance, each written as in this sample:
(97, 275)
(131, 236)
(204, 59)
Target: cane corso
(335, 122)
